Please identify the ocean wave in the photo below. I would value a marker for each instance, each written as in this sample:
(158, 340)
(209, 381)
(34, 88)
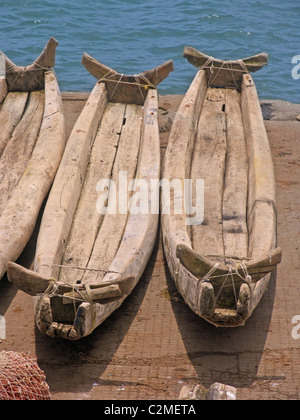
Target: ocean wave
(132, 36)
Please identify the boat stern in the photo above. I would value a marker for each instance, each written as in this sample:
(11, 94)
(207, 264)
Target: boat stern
(46, 325)
(224, 317)
(83, 325)
(66, 311)
(223, 294)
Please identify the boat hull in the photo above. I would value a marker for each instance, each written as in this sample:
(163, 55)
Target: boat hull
(100, 223)
(222, 262)
(32, 142)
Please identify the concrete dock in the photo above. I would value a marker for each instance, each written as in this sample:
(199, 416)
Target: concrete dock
(154, 344)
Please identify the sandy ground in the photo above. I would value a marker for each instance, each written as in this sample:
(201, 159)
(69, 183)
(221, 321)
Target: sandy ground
(154, 344)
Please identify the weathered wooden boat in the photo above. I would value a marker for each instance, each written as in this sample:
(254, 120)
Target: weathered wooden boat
(90, 254)
(32, 142)
(221, 260)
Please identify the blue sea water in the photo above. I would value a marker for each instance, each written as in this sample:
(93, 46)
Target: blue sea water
(135, 35)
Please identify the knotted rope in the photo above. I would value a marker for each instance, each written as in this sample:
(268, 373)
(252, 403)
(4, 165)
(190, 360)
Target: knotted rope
(226, 65)
(52, 291)
(77, 267)
(20, 72)
(108, 77)
(232, 272)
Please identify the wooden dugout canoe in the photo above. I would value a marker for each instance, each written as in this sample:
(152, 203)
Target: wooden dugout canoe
(88, 262)
(32, 141)
(221, 263)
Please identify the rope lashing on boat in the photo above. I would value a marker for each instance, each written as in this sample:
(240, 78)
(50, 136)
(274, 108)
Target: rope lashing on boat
(53, 288)
(233, 271)
(111, 73)
(248, 278)
(52, 291)
(77, 267)
(230, 273)
(208, 276)
(226, 65)
(21, 71)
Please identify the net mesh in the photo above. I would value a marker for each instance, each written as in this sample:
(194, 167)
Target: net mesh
(21, 378)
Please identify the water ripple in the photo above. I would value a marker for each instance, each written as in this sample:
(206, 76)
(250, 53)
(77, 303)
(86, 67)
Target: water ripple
(135, 35)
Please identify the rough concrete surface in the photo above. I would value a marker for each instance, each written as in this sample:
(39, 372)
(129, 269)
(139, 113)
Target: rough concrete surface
(154, 344)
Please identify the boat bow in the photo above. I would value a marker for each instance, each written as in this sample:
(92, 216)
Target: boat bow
(225, 285)
(30, 78)
(122, 88)
(225, 73)
(43, 288)
(205, 268)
